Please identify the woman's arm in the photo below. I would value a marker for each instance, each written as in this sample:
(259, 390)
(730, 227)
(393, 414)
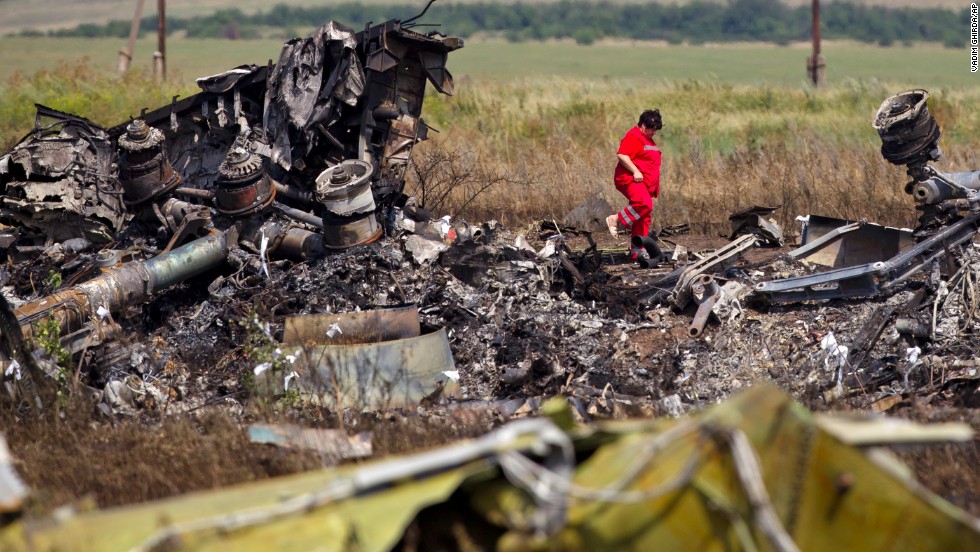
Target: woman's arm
(627, 164)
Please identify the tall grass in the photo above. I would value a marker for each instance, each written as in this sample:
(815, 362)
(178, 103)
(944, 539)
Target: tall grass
(725, 146)
(81, 89)
(550, 143)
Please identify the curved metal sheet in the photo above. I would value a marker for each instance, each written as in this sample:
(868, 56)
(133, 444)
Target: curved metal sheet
(348, 234)
(372, 376)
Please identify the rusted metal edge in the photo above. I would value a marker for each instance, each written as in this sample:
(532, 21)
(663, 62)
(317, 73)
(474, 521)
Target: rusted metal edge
(372, 326)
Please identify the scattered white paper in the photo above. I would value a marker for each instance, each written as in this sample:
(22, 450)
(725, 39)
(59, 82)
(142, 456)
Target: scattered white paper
(334, 330)
(259, 369)
(452, 374)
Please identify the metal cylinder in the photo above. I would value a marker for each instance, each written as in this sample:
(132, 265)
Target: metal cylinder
(344, 192)
(935, 190)
(243, 187)
(704, 287)
(912, 327)
(345, 189)
(130, 284)
(909, 133)
(339, 233)
(145, 171)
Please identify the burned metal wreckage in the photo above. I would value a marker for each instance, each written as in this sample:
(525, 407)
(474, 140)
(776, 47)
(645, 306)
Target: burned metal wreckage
(290, 160)
(307, 156)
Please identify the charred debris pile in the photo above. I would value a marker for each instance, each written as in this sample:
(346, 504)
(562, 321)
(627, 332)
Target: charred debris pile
(256, 239)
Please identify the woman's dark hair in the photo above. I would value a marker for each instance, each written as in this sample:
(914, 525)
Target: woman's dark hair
(651, 119)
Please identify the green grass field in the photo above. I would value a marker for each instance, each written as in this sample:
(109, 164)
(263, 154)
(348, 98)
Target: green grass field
(58, 14)
(928, 65)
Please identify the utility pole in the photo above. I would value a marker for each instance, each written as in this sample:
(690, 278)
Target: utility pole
(160, 56)
(126, 54)
(814, 64)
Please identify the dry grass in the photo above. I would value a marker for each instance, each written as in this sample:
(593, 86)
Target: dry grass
(74, 455)
(725, 147)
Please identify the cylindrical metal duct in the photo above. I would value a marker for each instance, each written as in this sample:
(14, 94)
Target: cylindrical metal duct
(909, 133)
(130, 284)
(344, 193)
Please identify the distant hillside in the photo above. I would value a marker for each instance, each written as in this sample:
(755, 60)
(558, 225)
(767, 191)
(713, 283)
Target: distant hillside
(44, 15)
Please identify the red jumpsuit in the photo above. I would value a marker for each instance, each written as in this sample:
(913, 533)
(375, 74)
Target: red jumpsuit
(646, 156)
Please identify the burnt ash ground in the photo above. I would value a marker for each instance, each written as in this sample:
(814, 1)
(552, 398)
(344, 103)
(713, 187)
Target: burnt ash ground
(521, 328)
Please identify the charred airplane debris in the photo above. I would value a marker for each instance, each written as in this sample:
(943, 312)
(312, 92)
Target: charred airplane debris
(756, 472)
(289, 160)
(443, 318)
(296, 160)
(948, 204)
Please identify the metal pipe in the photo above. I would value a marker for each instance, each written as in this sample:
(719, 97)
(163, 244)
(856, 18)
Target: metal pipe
(938, 189)
(297, 214)
(293, 193)
(130, 284)
(701, 316)
(195, 192)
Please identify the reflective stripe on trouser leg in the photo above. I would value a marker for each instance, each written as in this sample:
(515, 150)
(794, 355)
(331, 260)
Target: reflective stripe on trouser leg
(641, 204)
(628, 216)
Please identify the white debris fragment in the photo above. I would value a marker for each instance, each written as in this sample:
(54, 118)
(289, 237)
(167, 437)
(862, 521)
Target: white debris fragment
(803, 220)
(912, 355)
(334, 331)
(521, 243)
(263, 245)
(289, 377)
(13, 369)
(260, 368)
(263, 327)
(835, 350)
(452, 374)
(102, 312)
(548, 249)
(444, 226)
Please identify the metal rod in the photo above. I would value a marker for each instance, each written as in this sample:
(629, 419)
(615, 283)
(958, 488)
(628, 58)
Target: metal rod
(195, 192)
(296, 214)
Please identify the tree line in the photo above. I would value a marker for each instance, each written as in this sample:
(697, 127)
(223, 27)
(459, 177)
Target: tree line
(693, 22)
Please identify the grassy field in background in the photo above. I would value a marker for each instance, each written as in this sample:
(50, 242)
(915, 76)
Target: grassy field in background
(925, 65)
(543, 120)
(57, 14)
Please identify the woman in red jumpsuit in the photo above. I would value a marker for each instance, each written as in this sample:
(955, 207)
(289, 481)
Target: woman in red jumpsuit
(637, 176)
